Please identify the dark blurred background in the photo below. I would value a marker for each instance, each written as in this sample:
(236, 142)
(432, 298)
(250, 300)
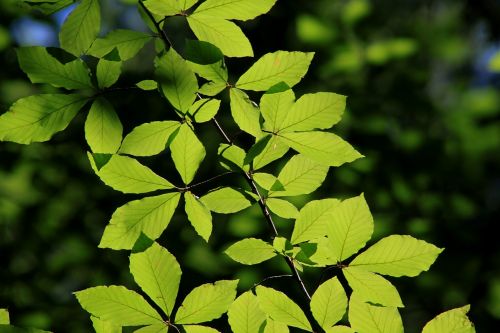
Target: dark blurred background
(423, 86)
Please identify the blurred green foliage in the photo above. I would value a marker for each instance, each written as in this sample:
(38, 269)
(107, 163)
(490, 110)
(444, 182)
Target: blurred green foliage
(423, 91)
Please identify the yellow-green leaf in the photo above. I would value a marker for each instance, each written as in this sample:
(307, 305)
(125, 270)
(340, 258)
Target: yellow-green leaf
(250, 251)
(244, 314)
(451, 321)
(81, 27)
(329, 303)
(226, 200)
(245, 113)
(199, 215)
(235, 9)
(312, 220)
(127, 42)
(366, 318)
(103, 128)
(149, 139)
(187, 152)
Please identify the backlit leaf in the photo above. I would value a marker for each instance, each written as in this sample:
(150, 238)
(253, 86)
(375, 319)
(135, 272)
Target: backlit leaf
(4, 317)
(366, 318)
(323, 147)
(41, 67)
(103, 129)
(102, 326)
(226, 200)
(235, 9)
(224, 34)
(150, 216)
(275, 108)
(273, 68)
(204, 110)
(118, 305)
(108, 72)
(245, 315)
(373, 288)
(250, 251)
(300, 175)
(282, 208)
(280, 308)
(244, 113)
(199, 329)
(199, 215)
(36, 118)
(187, 152)
(158, 274)
(266, 150)
(206, 302)
(177, 81)
(451, 321)
(127, 175)
(349, 228)
(329, 303)
(232, 157)
(312, 111)
(149, 139)
(398, 255)
(275, 327)
(127, 42)
(312, 220)
(81, 27)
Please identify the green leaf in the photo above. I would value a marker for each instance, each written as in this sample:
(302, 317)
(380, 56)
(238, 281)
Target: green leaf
(312, 220)
(163, 7)
(199, 215)
(322, 257)
(204, 109)
(202, 53)
(150, 216)
(41, 67)
(245, 113)
(224, 34)
(149, 139)
(207, 61)
(103, 129)
(275, 108)
(187, 152)
(199, 329)
(311, 111)
(232, 157)
(340, 329)
(350, 227)
(118, 305)
(37, 118)
(329, 303)
(250, 251)
(81, 27)
(398, 255)
(278, 306)
(300, 175)
(4, 317)
(147, 85)
(108, 72)
(48, 7)
(206, 302)
(323, 147)
(226, 200)
(157, 328)
(451, 321)
(176, 80)
(266, 150)
(245, 315)
(275, 327)
(235, 9)
(158, 274)
(282, 208)
(127, 175)
(366, 318)
(267, 181)
(371, 287)
(273, 68)
(127, 42)
(102, 326)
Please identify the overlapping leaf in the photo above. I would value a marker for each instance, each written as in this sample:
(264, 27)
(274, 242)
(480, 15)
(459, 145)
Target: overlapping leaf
(149, 216)
(366, 318)
(127, 175)
(187, 152)
(41, 67)
(103, 129)
(282, 208)
(266, 150)
(149, 139)
(158, 274)
(312, 220)
(199, 215)
(108, 72)
(350, 227)
(244, 113)
(329, 303)
(245, 315)
(81, 27)
(274, 68)
(127, 42)
(235, 9)
(275, 107)
(206, 302)
(226, 200)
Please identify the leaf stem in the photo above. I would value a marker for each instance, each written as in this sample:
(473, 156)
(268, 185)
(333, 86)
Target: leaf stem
(161, 32)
